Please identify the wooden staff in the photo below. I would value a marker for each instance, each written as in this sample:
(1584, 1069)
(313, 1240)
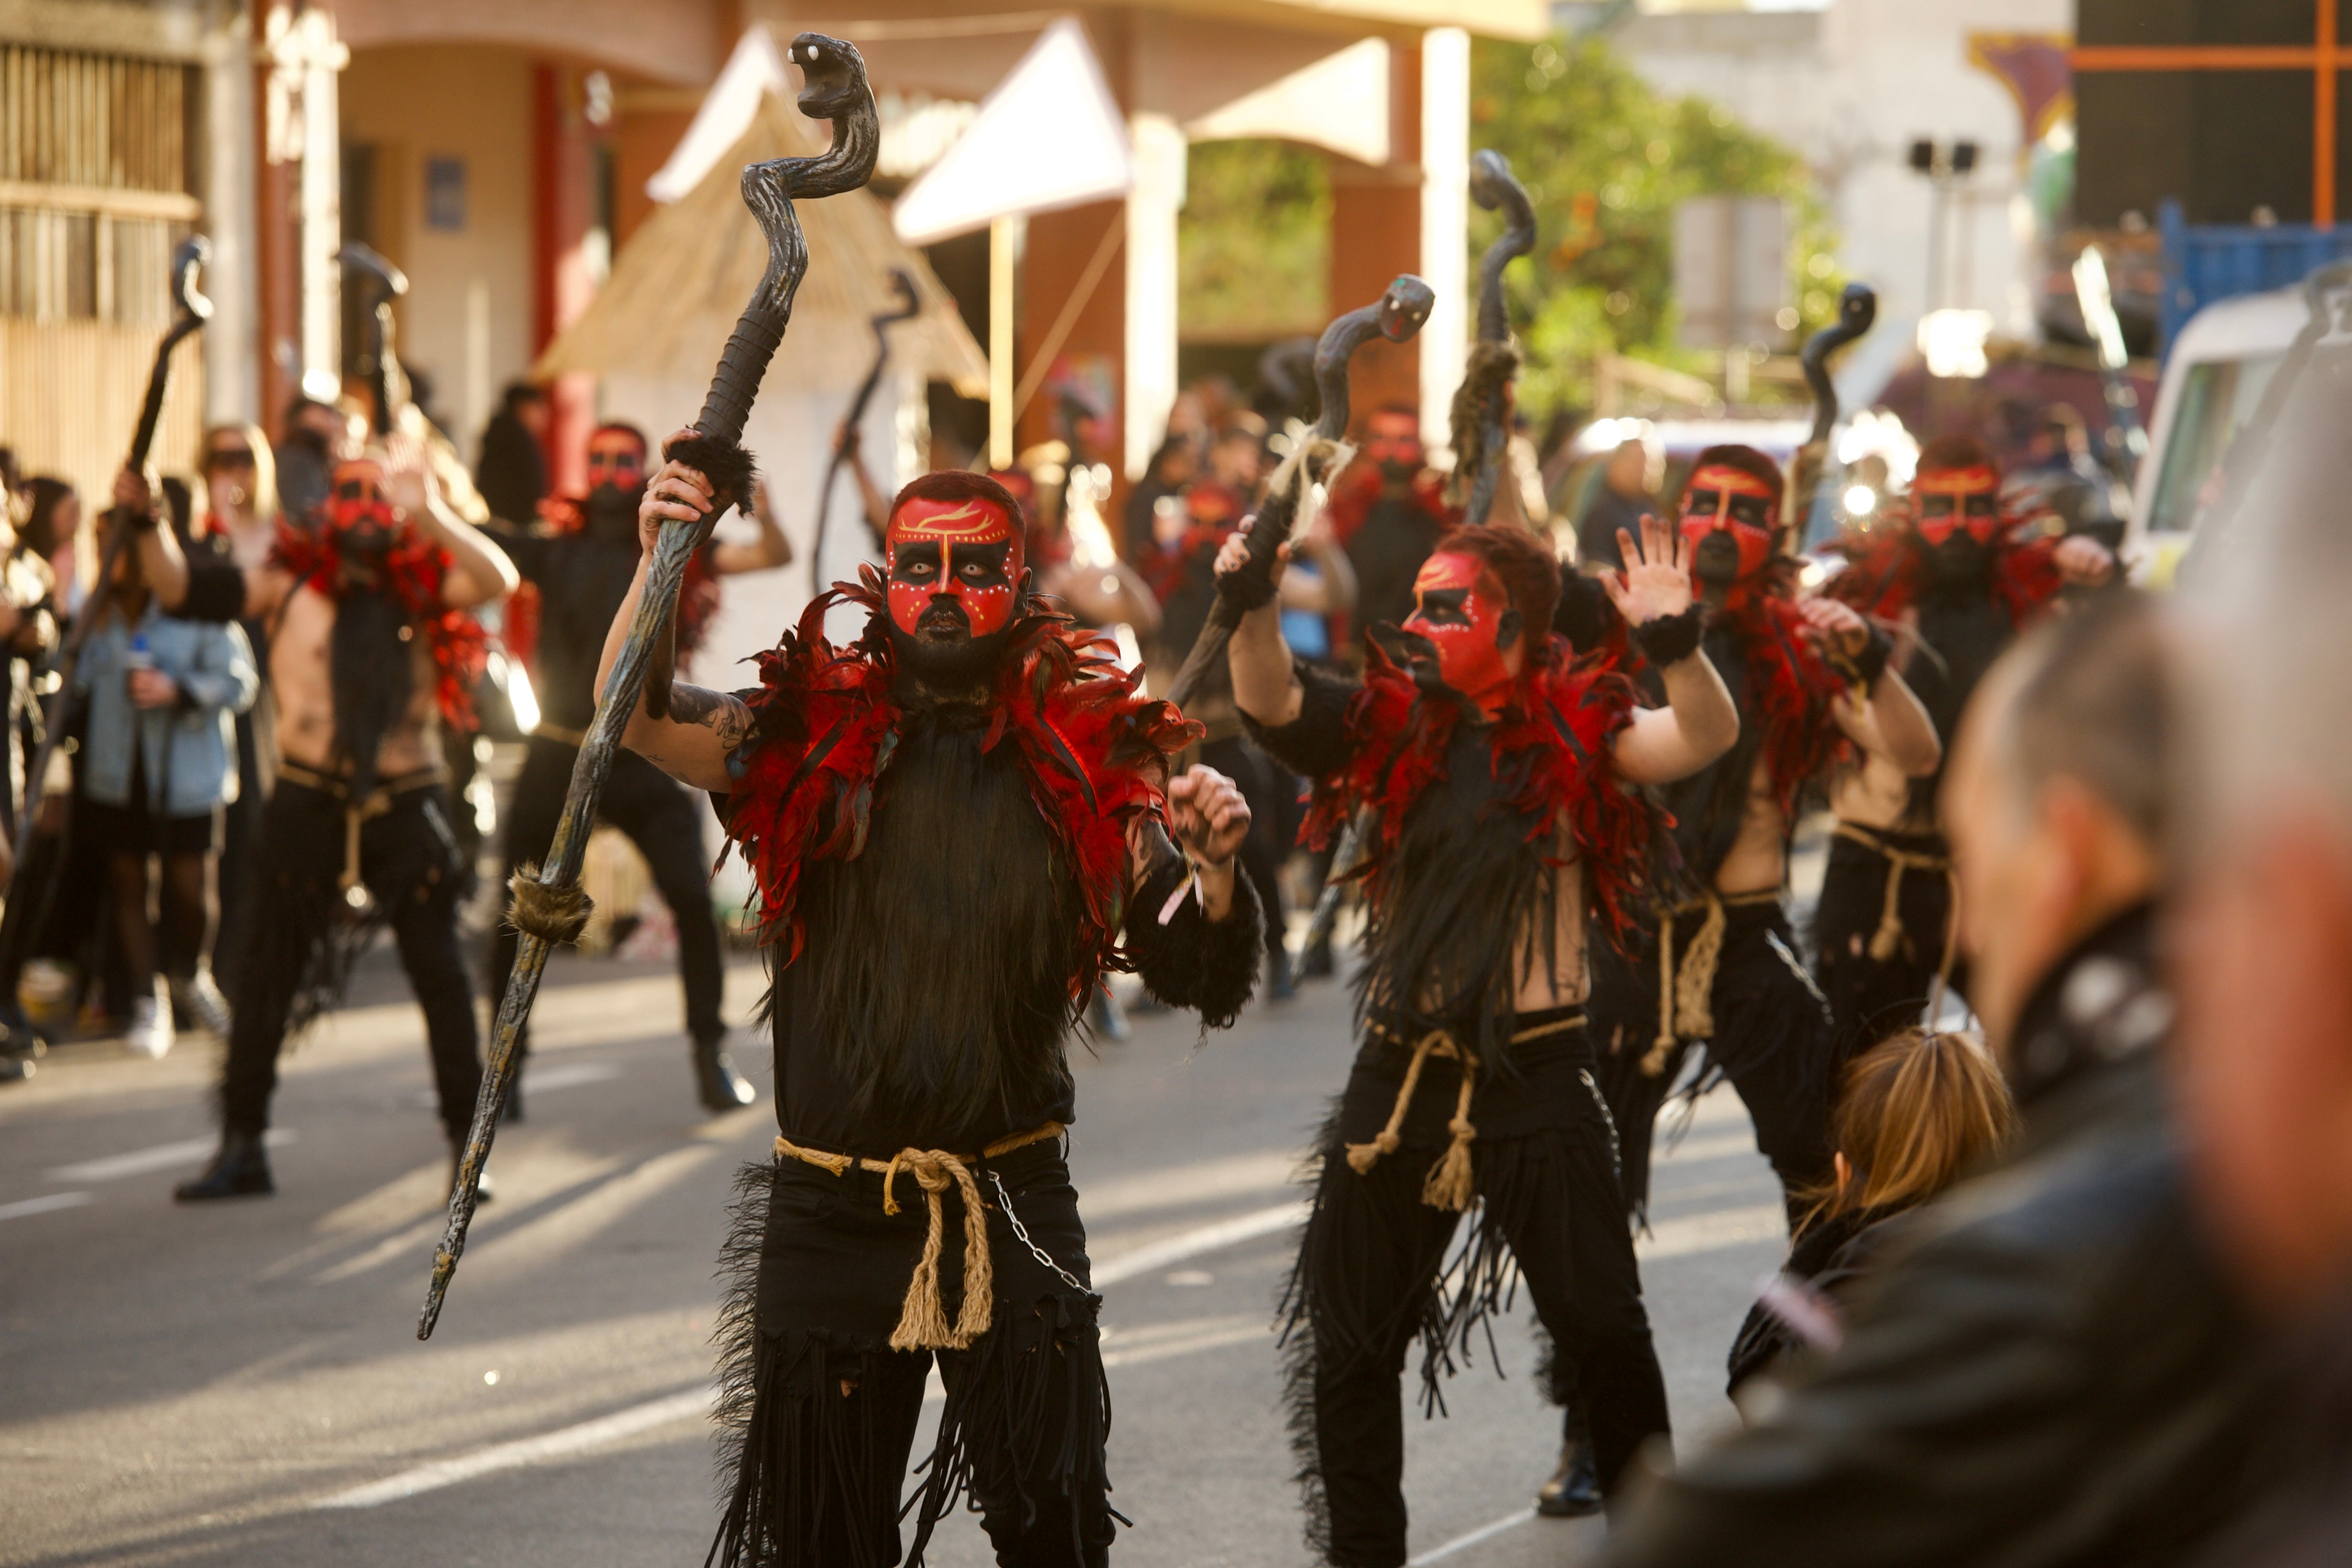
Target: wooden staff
(908, 307)
(1396, 315)
(548, 907)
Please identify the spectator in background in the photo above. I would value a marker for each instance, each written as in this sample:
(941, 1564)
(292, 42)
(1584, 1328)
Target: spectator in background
(1387, 508)
(511, 473)
(1627, 493)
(159, 761)
(2062, 475)
(1238, 458)
(52, 533)
(14, 498)
(1914, 1115)
(241, 510)
(2050, 1369)
(1172, 467)
(2265, 1067)
(314, 439)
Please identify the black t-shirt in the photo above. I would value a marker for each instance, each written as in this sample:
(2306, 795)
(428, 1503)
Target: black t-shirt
(582, 579)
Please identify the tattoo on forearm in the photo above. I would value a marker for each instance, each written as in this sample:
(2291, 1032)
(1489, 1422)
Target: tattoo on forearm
(722, 713)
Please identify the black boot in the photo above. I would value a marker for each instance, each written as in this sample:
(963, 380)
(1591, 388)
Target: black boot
(1574, 1490)
(716, 1079)
(240, 1170)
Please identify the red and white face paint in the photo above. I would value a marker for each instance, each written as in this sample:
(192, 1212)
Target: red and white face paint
(1459, 606)
(964, 551)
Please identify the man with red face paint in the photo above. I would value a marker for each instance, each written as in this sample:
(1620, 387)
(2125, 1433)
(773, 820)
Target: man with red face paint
(1488, 772)
(1387, 509)
(581, 558)
(957, 825)
(1713, 963)
(1959, 578)
(371, 650)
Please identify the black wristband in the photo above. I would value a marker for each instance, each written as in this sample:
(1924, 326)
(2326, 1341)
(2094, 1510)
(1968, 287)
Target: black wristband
(1865, 667)
(1670, 639)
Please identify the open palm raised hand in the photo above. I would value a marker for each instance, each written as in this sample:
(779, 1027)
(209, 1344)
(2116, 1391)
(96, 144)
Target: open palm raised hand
(1656, 581)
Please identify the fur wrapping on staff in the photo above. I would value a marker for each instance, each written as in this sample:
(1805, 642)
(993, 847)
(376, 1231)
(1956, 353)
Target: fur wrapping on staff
(1194, 962)
(730, 469)
(1094, 751)
(410, 577)
(1477, 402)
(1888, 574)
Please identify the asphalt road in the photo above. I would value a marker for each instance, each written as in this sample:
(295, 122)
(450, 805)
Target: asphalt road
(241, 1384)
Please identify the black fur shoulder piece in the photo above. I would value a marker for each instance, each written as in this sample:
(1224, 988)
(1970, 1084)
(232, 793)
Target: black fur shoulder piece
(1193, 961)
(1313, 744)
(730, 469)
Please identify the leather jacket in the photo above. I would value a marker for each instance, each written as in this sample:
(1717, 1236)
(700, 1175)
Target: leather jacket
(2047, 1371)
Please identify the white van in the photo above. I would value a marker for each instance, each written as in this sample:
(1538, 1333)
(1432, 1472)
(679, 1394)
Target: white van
(2215, 378)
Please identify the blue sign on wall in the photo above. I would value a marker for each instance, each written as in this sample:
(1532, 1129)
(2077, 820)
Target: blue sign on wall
(444, 193)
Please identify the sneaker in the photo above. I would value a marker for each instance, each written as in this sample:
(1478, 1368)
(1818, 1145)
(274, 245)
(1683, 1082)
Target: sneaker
(200, 998)
(150, 1034)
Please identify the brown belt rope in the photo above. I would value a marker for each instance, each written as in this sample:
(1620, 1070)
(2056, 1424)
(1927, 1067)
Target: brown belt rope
(358, 812)
(1887, 940)
(1451, 1181)
(922, 1321)
(1686, 991)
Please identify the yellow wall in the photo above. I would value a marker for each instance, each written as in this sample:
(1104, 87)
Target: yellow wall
(468, 317)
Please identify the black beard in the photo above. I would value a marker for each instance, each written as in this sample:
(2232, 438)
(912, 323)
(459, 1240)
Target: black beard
(369, 670)
(1961, 564)
(612, 512)
(1417, 656)
(1714, 562)
(1399, 473)
(957, 668)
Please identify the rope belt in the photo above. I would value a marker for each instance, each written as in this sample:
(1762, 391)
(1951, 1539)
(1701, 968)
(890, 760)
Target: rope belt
(1887, 940)
(543, 730)
(1450, 1182)
(357, 812)
(922, 1321)
(1686, 995)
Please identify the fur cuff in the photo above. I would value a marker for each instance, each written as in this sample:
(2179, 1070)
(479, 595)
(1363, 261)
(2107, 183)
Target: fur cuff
(1863, 669)
(1193, 961)
(1670, 639)
(730, 469)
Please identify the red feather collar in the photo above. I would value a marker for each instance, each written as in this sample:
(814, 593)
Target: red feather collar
(1790, 690)
(1886, 574)
(411, 574)
(1094, 749)
(1551, 749)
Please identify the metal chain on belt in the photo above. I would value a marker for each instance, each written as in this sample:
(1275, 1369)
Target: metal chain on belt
(1004, 1201)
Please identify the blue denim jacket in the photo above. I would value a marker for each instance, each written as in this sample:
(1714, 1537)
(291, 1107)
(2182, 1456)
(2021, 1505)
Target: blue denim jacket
(188, 751)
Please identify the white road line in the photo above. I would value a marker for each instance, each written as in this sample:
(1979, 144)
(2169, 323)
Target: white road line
(42, 1205)
(1192, 1243)
(1688, 1234)
(1464, 1542)
(686, 1403)
(162, 1157)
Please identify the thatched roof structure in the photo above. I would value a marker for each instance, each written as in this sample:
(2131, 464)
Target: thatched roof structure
(680, 282)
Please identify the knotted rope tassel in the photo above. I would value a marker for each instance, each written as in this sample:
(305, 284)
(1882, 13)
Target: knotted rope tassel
(923, 1320)
(1451, 1181)
(1887, 940)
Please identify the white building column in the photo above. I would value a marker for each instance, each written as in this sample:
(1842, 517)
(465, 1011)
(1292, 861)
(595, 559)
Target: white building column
(1445, 222)
(232, 281)
(323, 59)
(1153, 203)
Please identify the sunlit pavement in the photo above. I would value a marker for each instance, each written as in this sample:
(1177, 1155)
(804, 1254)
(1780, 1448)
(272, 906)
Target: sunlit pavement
(241, 1384)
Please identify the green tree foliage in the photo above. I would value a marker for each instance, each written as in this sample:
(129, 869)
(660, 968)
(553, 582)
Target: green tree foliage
(1605, 158)
(1254, 245)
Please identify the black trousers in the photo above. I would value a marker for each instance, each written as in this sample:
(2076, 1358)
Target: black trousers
(663, 820)
(304, 936)
(1772, 1040)
(1371, 1278)
(1871, 998)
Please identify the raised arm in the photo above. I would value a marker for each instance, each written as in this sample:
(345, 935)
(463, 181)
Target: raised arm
(1887, 720)
(704, 726)
(1264, 686)
(770, 550)
(1698, 723)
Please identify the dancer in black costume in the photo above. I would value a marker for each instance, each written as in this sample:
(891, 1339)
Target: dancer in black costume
(952, 823)
(582, 558)
(1494, 765)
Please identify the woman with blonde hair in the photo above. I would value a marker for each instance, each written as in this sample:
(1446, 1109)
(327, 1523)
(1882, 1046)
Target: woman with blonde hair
(1914, 1115)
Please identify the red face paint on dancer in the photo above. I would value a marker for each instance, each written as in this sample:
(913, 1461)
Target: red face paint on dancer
(1947, 500)
(964, 551)
(360, 514)
(1724, 500)
(1459, 606)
